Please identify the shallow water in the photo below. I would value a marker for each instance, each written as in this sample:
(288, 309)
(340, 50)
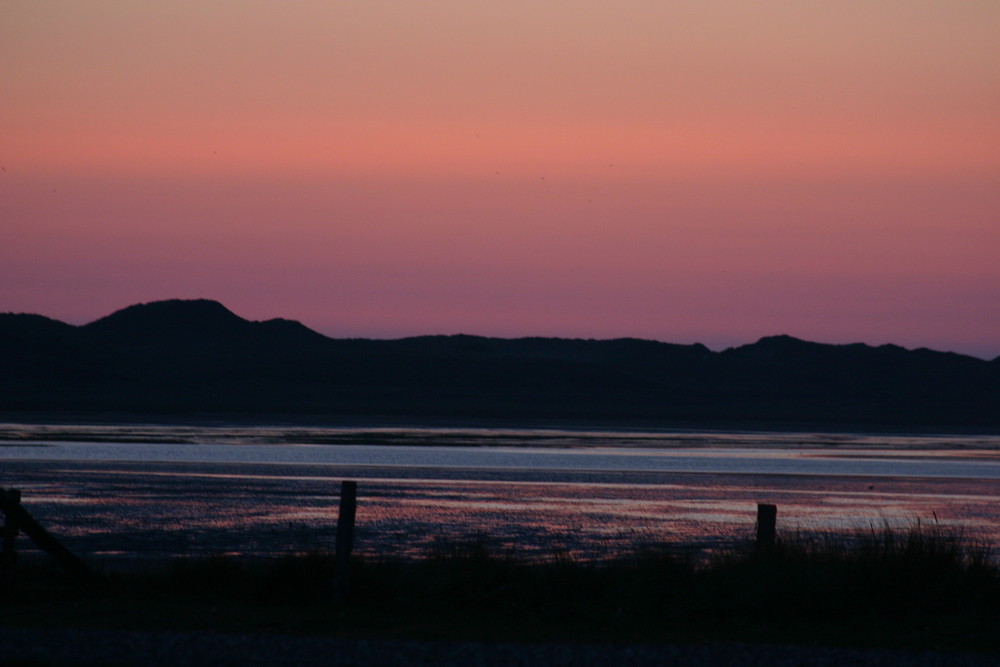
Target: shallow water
(167, 491)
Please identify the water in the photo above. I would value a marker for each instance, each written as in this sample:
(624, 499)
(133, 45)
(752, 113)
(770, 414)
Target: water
(181, 490)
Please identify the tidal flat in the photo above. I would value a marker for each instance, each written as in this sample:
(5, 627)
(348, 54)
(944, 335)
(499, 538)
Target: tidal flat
(119, 492)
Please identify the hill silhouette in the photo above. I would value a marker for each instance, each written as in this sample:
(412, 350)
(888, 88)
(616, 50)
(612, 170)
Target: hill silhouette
(182, 357)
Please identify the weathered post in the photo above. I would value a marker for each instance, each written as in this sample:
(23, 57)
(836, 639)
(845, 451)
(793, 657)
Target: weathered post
(9, 555)
(345, 540)
(26, 524)
(767, 518)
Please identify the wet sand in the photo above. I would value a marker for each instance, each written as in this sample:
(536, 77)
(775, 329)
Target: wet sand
(128, 510)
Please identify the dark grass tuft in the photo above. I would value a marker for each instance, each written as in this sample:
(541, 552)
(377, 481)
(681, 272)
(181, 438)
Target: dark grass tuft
(921, 587)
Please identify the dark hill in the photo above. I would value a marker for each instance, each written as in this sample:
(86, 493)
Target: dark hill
(196, 323)
(17, 329)
(182, 357)
(166, 318)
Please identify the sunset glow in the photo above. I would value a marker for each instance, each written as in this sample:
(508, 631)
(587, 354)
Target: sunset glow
(683, 171)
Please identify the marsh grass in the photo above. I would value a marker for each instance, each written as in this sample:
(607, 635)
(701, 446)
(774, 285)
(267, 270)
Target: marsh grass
(919, 587)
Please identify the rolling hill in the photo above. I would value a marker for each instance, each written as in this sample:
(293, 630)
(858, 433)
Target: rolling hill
(195, 357)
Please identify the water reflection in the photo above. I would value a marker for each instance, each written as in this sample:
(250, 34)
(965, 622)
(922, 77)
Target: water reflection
(157, 510)
(157, 491)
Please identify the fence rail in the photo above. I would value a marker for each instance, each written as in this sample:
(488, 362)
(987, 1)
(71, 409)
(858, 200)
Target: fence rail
(18, 520)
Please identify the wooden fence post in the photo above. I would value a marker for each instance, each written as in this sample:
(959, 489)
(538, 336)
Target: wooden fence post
(345, 540)
(9, 556)
(767, 516)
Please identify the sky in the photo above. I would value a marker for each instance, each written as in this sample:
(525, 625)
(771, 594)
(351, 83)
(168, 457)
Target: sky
(682, 171)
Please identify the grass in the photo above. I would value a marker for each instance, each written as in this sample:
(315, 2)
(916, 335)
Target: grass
(920, 588)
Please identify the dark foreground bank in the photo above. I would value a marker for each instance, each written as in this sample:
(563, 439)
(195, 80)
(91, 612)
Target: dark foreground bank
(39, 647)
(918, 591)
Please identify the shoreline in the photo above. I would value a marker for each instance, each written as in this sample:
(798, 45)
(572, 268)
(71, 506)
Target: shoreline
(313, 420)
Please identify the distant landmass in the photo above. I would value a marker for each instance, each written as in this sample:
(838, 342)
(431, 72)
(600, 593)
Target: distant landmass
(184, 358)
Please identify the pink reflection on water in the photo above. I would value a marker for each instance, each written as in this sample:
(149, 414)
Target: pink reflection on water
(601, 520)
(107, 511)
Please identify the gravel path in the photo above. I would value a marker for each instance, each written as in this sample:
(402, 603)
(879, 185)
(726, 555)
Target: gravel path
(37, 647)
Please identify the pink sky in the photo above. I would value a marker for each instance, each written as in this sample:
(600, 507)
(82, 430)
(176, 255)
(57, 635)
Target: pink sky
(682, 171)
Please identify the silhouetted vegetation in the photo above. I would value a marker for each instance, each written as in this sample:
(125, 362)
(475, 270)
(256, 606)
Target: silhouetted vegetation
(192, 358)
(921, 588)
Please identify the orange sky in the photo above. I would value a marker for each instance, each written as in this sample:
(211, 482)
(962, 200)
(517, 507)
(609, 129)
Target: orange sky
(681, 171)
